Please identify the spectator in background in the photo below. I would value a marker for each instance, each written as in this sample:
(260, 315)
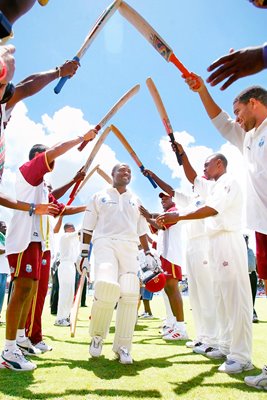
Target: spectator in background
(4, 267)
(252, 276)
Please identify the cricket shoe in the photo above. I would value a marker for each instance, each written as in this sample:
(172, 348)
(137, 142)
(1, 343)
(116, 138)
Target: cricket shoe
(124, 356)
(43, 346)
(235, 367)
(146, 315)
(62, 322)
(15, 361)
(95, 347)
(28, 349)
(215, 354)
(176, 335)
(203, 349)
(258, 381)
(193, 343)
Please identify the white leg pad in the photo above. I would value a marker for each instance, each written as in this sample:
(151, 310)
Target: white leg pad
(106, 296)
(126, 311)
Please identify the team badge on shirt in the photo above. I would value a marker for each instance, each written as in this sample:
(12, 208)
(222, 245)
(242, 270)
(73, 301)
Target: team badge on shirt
(262, 141)
(225, 263)
(28, 268)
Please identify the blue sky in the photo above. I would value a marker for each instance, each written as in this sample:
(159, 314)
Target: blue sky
(198, 31)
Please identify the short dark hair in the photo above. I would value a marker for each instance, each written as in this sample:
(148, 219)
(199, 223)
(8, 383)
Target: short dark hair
(253, 92)
(68, 225)
(37, 148)
(220, 156)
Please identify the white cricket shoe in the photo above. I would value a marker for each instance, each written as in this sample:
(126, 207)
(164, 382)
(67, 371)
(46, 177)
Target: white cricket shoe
(62, 322)
(124, 356)
(193, 343)
(43, 346)
(234, 367)
(258, 381)
(96, 345)
(215, 354)
(176, 335)
(15, 361)
(28, 349)
(203, 349)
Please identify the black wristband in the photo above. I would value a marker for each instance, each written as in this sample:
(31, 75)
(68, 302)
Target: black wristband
(32, 209)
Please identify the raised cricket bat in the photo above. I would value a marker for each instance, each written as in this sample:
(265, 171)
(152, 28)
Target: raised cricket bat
(163, 114)
(77, 300)
(88, 163)
(152, 36)
(132, 153)
(102, 20)
(114, 110)
(104, 175)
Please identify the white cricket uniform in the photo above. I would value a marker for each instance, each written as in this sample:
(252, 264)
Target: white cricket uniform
(228, 257)
(199, 274)
(117, 225)
(253, 146)
(69, 251)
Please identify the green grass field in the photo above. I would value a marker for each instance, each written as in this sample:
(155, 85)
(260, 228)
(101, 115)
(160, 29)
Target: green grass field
(161, 370)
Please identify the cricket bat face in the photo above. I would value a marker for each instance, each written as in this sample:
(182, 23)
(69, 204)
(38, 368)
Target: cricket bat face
(146, 30)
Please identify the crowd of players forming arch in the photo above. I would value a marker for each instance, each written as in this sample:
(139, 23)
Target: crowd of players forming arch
(116, 222)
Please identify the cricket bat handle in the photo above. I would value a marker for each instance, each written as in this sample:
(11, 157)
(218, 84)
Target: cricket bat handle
(179, 65)
(85, 142)
(63, 80)
(153, 183)
(179, 158)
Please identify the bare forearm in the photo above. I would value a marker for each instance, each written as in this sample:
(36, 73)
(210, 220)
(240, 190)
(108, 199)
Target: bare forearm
(144, 242)
(163, 185)
(73, 210)
(189, 171)
(203, 212)
(211, 107)
(8, 202)
(59, 192)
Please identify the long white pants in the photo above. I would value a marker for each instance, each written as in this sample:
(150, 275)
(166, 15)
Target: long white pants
(201, 290)
(66, 280)
(116, 262)
(228, 257)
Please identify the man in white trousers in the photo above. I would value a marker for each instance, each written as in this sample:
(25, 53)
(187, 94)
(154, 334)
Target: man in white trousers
(113, 218)
(201, 290)
(69, 250)
(228, 257)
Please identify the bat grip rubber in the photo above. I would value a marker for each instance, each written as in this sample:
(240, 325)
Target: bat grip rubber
(74, 190)
(63, 80)
(85, 142)
(179, 158)
(153, 183)
(179, 65)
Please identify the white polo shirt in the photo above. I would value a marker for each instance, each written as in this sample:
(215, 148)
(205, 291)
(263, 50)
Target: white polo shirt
(253, 146)
(224, 196)
(113, 215)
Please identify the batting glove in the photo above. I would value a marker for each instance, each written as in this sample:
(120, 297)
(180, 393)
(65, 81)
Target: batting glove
(83, 259)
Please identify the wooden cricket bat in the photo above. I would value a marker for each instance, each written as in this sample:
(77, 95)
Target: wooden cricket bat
(77, 300)
(102, 20)
(132, 153)
(104, 175)
(163, 114)
(151, 36)
(113, 110)
(88, 163)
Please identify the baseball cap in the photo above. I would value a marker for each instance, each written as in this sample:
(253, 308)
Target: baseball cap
(164, 195)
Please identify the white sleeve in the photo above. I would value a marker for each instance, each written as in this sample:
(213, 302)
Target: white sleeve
(90, 215)
(229, 129)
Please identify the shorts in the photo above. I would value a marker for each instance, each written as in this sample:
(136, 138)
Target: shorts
(261, 254)
(172, 271)
(28, 263)
(145, 294)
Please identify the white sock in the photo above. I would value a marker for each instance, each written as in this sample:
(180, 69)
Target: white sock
(21, 337)
(10, 345)
(180, 325)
